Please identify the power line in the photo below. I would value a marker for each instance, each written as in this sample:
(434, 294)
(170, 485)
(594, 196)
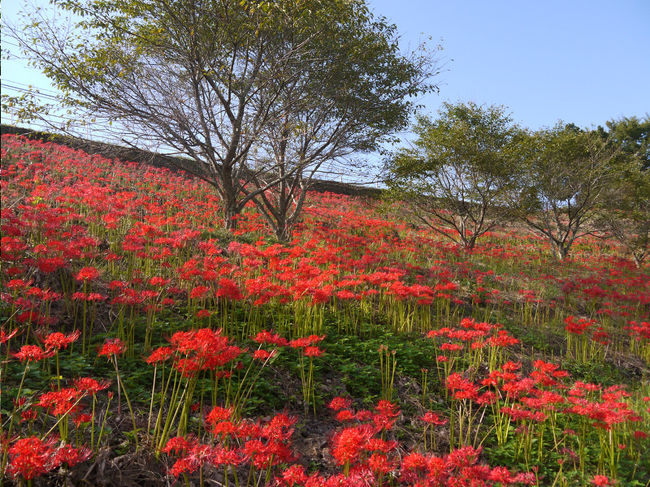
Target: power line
(29, 86)
(98, 130)
(35, 93)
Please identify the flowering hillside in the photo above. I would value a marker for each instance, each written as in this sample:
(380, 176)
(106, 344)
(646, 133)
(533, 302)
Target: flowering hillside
(142, 343)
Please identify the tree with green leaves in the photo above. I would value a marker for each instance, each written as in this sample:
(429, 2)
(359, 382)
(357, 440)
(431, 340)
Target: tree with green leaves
(563, 182)
(456, 175)
(258, 93)
(354, 94)
(632, 135)
(625, 214)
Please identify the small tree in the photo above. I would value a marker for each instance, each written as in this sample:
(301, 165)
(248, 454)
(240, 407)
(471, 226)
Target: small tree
(625, 214)
(348, 99)
(561, 185)
(457, 174)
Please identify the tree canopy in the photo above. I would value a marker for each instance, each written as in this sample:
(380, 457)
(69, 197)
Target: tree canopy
(566, 174)
(457, 173)
(625, 214)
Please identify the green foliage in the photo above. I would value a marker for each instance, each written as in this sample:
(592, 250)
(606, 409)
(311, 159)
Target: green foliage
(456, 175)
(626, 212)
(564, 178)
(632, 136)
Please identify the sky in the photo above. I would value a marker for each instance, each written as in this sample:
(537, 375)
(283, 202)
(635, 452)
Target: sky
(579, 61)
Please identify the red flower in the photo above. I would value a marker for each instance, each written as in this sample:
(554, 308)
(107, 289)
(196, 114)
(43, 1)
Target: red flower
(159, 355)
(433, 418)
(313, 352)
(339, 403)
(601, 481)
(31, 457)
(263, 355)
(71, 456)
(60, 402)
(113, 346)
(5, 337)
(88, 384)
(32, 353)
(272, 338)
(199, 292)
(178, 444)
(293, 475)
(87, 274)
(348, 444)
(58, 340)
(218, 414)
(228, 289)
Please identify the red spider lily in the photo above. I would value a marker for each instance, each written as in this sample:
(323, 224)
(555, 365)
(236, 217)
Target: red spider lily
(60, 402)
(87, 274)
(271, 338)
(349, 443)
(179, 444)
(90, 297)
(229, 289)
(71, 456)
(386, 415)
(219, 414)
(313, 352)
(48, 265)
(462, 389)
(601, 481)
(195, 454)
(111, 348)
(32, 353)
(339, 403)
(57, 340)
(28, 415)
(263, 355)
(31, 457)
(639, 330)
(90, 385)
(5, 337)
(160, 354)
(306, 341)
(292, 476)
(203, 313)
(159, 281)
(204, 349)
(577, 327)
(547, 373)
(432, 418)
(199, 292)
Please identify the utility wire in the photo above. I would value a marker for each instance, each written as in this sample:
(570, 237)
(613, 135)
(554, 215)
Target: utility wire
(100, 132)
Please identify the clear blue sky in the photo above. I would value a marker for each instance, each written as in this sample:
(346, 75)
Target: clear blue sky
(580, 61)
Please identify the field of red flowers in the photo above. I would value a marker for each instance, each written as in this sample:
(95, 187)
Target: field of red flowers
(143, 344)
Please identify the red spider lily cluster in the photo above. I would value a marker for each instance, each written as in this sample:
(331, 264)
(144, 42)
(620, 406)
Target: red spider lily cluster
(32, 457)
(104, 259)
(359, 448)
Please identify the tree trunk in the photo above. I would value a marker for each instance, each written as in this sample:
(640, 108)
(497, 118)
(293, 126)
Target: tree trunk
(230, 216)
(639, 257)
(283, 231)
(560, 249)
